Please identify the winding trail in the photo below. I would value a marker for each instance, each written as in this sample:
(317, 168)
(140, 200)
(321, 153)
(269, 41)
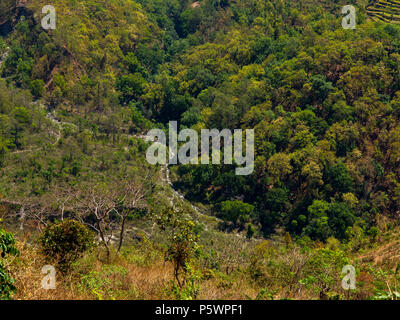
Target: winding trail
(180, 196)
(176, 194)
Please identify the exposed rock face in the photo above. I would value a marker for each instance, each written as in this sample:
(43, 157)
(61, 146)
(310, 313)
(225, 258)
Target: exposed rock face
(10, 12)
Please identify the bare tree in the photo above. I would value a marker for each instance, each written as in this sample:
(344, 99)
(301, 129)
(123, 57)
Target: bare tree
(37, 212)
(34, 209)
(94, 207)
(132, 195)
(62, 197)
(97, 205)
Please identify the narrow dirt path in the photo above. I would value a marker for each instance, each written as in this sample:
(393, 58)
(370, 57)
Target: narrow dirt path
(181, 197)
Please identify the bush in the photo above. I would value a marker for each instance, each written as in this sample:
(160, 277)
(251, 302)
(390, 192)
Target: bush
(37, 88)
(112, 282)
(323, 272)
(182, 243)
(7, 247)
(66, 241)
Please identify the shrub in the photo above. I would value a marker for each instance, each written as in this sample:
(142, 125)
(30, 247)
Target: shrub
(182, 243)
(37, 88)
(323, 272)
(66, 241)
(112, 282)
(191, 288)
(236, 212)
(7, 247)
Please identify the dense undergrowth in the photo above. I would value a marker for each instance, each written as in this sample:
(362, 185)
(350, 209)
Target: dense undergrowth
(265, 270)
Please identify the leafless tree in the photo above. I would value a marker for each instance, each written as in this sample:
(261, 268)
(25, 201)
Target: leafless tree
(62, 197)
(34, 209)
(132, 195)
(94, 207)
(97, 204)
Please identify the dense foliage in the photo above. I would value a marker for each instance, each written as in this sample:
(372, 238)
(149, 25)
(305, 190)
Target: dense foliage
(322, 100)
(324, 103)
(7, 248)
(66, 241)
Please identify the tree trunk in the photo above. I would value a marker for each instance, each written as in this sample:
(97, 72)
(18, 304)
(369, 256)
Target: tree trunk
(121, 236)
(104, 241)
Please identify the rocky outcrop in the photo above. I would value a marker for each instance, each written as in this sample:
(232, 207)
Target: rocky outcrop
(10, 12)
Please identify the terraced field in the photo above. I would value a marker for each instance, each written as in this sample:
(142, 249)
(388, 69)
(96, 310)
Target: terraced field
(327, 4)
(387, 255)
(384, 10)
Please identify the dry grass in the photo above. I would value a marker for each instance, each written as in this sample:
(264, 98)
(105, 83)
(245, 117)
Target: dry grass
(26, 270)
(140, 273)
(149, 281)
(140, 282)
(217, 289)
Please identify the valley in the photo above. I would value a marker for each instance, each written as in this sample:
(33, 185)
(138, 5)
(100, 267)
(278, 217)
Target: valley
(78, 192)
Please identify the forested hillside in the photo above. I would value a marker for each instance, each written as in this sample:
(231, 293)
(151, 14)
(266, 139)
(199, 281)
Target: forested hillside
(324, 102)
(6, 8)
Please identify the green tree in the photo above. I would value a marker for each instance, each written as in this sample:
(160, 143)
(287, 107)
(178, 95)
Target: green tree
(323, 272)
(37, 88)
(237, 212)
(130, 86)
(318, 226)
(182, 243)
(7, 247)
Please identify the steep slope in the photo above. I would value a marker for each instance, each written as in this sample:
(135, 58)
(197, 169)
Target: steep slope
(7, 9)
(387, 11)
